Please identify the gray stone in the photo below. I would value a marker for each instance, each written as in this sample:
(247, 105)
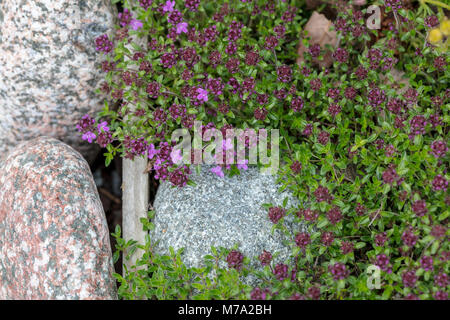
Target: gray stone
(54, 239)
(221, 212)
(49, 69)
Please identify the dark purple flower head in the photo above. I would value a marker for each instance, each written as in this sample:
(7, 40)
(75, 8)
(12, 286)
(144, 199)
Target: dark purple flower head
(418, 124)
(125, 17)
(439, 148)
(153, 89)
(341, 55)
(279, 30)
(232, 65)
(315, 84)
(380, 239)
(252, 58)
(307, 131)
(175, 17)
(323, 137)
(396, 105)
(439, 183)
(426, 263)
(276, 213)
(103, 44)
(289, 14)
(409, 278)
(347, 247)
(361, 73)
(178, 178)
(441, 280)
(302, 239)
(390, 150)
(341, 25)
(280, 271)
(160, 116)
(411, 296)
(419, 207)
(234, 31)
(360, 209)
(259, 294)
(296, 167)
(314, 293)
(314, 50)
(374, 55)
(177, 111)
(334, 93)
(411, 95)
(376, 97)
(440, 63)
(192, 5)
(145, 4)
(438, 231)
(215, 58)
(350, 93)
(334, 215)
(168, 60)
(383, 262)
(334, 109)
(271, 43)
(409, 238)
(284, 73)
(297, 104)
(441, 295)
(322, 194)
(265, 258)
(390, 175)
(338, 271)
(235, 259)
(327, 238)
(86, 124)
(260, 113)
(431, 21)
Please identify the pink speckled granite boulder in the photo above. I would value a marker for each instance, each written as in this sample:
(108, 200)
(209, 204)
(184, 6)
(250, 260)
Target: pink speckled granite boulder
(49, 68)
(54, 240)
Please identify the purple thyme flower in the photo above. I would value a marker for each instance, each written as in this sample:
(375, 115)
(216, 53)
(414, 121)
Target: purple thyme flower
(218, 171)
(235, 259)
(338, 270)
(427, 263)
(202, 95)
(103, 44)
(276, 213)
(89, 136)
(136, 24)
(409, 238)
(439, 183)
(439, 148)
(302, 239)
(168, 6)
(409, 278)
(284, 73)
(182, 27)
(419, 207)
(265, 257)
(281, 271)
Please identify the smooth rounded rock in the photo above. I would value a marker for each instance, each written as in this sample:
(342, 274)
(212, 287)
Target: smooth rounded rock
(54, 239)
(49, 68)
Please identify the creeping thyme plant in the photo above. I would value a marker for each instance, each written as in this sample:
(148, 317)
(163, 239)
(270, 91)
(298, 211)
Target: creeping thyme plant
(363, 143)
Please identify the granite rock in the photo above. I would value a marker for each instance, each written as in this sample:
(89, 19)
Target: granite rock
(49, 69)
(220, 212)
(54, 239)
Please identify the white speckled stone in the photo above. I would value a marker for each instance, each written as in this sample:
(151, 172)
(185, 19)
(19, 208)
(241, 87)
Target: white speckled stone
(221, 212)
(49, 68)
